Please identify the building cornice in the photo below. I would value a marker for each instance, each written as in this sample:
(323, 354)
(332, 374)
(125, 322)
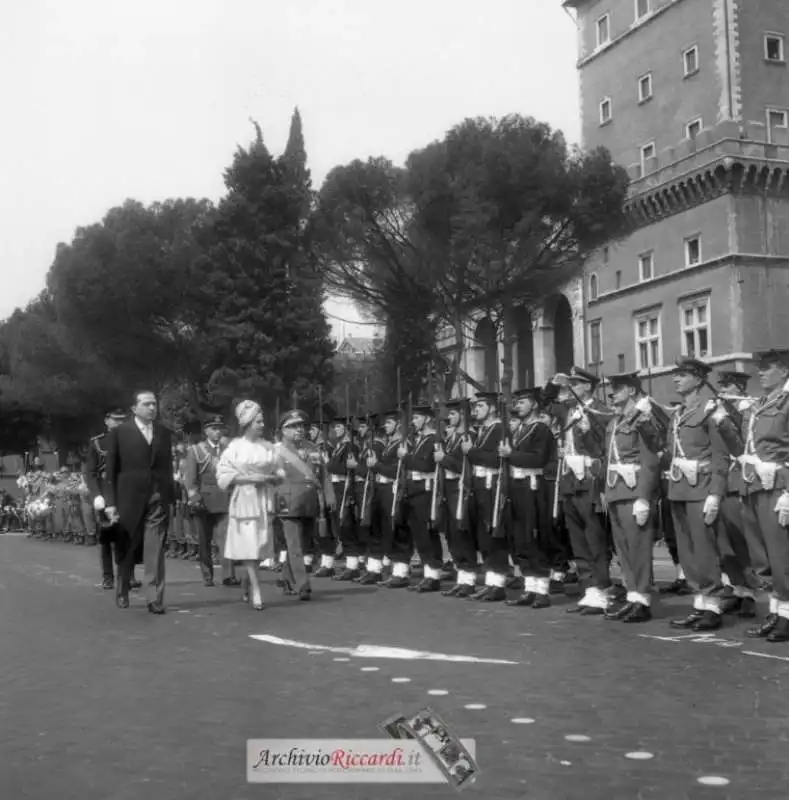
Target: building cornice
(730, 259)
(711, 173)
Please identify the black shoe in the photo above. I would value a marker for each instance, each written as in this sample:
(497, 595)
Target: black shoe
(479, 594)
(710, 621)
(639, 613)
(526, 599)
(731, 605)
(574, 609)
(108, 583)
(208, 582)
(780, 633)
(689, 621)
(395, 583)
(347, 575)
(122, 601)
(618, 614)
(155, 608)
(465, 591)
(747, 608)
(324, 572)
(556, 587)
(231, 581)
(495, 594)
(592, 611)
(765, 629)
(541, 601)
(452, 592)
(369, 579)
(513, 582)
(305, 595)
(278, 567)
(679, 586)
(428, 585)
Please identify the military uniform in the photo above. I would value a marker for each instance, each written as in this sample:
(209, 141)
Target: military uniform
(208, 504)
(344, 516)
(530, 498)
(371, 526)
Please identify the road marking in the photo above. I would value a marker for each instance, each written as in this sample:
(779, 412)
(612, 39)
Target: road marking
(475, 706)
(401, 680)
(639, 755)
(577, 737)
(369, 669)
(522, 720)
(713, 780)
(437, 692)
(375, 651)
(694, 638)
(764, 655)
(341, 659)
(566, 763)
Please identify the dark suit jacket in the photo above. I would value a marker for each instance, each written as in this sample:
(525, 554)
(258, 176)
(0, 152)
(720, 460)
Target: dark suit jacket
(95, 466)
(135, 470)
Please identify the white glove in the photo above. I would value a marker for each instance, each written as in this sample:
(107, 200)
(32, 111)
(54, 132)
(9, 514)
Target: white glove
(782, 508)
(719, 413)
(711, 508)
(644, 406)
(641, 511)
(98, 503)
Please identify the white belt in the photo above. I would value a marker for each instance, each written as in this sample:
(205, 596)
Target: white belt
(360, 479)
(766, 470)
(383, 479)
(420, 476)
(488, 473)
(627, 472)
(688, 469)
(338, 478)
(578, 465)
(451, 476)
(521, 473)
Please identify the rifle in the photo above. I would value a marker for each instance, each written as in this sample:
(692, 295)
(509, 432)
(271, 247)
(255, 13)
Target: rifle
(323, 522)
(276, 420)
(498, 502)
(460, 511)
(346, 493)
(435, 499)
(398, 477)
(366, 449)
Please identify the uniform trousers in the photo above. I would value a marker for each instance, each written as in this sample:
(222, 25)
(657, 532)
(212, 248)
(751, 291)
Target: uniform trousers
(380, 529)
(698, 546)
(151, 535)
(529, 544)
(634, 549)
(295, 530)
(763, 524)
(426, 540)
(588, 539)
(755, 541)
(460, 540)
(665, 523)
(211, 530)
(735, 558)
(398, 544)
(491, 544)
(344, 520)
(553, 530)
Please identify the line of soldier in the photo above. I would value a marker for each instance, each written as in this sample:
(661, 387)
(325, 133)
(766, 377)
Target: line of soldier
(711, 472)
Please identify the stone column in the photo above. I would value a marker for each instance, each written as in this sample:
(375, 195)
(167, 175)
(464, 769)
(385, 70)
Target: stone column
(544, 354)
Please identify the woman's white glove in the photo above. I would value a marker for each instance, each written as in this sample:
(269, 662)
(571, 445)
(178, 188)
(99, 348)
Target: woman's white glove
(782, 509)
(641, 509)
(98, 503)
(712, 506)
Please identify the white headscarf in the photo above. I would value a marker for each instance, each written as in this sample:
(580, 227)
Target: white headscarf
(246, 411)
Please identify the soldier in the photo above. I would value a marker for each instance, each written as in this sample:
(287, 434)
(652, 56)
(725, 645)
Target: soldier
(359, 466)
(456, 481)
(487, 472)
(766, 479)
(207, 502)
(95, 475)
(419, 473)
(584, 420)
(370, 524)
(633, 441)
(342, 463)
(386, 511)
(296, 503)
(738, 576)
(324, 540)
(699, 465)
(527, 458)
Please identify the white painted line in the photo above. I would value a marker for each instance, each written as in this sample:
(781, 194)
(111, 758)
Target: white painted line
(401, 680)
(437, 692)
(369, 669)
(522, 720)
(376, 651)
(475, 706)
(315, 652)
(342, 659)
(566, 763)
(184, 611)
(713, 780)
(639, 755)
(578, 737)
(764, 655)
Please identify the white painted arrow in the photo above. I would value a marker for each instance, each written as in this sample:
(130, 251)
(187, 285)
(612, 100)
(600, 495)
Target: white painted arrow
(374, 651)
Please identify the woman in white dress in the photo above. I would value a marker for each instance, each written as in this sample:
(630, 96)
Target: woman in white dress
(249, 467)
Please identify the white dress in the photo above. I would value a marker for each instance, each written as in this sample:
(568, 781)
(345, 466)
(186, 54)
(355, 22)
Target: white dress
(249, 524)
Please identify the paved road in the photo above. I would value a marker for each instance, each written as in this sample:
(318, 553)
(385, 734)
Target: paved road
(103, 704)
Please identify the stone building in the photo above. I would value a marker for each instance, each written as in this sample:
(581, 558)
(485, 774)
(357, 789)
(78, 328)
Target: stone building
(692, 96)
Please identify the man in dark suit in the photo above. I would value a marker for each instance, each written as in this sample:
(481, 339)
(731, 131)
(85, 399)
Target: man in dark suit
(139, 492)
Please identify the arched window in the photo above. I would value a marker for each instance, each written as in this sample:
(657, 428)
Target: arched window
(593, 286)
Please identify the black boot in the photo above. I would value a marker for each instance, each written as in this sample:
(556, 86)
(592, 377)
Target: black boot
(689, 621)
(526, 599)
(639, 613)
(780, 633)
(765, 629)
(710, 621)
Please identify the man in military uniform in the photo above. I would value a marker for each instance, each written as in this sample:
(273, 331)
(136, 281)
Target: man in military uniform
(386, 511)
(527, 459)
(633, 441)
(296, 501)
(486, 469)
(419, 474)
(95, 476)
(371, 531)
(699, 466)
(207, 502)
(766, 478)
(583, 420)
(456, 481)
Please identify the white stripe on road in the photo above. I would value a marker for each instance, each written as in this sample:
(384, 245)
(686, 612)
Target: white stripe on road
(764, 655)
(374, 651)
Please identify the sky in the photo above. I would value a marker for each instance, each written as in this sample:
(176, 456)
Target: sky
(105, 101)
